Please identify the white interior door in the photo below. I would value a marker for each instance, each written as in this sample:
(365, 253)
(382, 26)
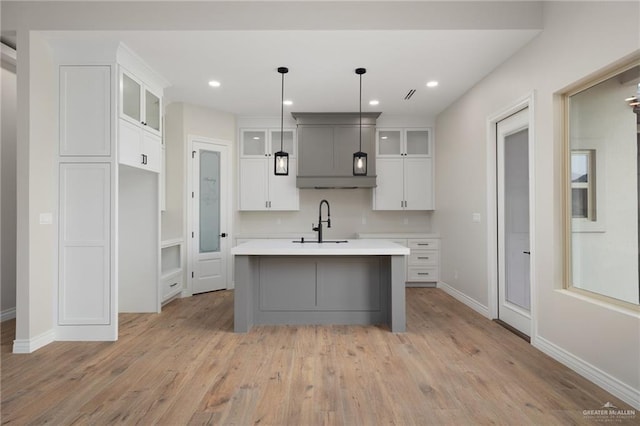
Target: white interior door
(514, 282)
(209, 198)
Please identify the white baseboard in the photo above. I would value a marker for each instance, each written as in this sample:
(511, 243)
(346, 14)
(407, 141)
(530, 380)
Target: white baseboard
(8, 314)
(457, 294)
(26, 346)
(607, 382)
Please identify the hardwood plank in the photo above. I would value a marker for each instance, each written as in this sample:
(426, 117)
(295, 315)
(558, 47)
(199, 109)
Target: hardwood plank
(186, 366)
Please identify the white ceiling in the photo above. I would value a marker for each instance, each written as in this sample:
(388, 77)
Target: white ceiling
(321, 66)
(241, 44)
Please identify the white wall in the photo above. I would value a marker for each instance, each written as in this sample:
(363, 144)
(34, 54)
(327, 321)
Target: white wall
(36, 191)
(8, 190)
(579, 38)
(181, 121)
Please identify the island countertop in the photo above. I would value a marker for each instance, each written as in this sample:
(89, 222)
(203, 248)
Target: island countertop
(286, 247)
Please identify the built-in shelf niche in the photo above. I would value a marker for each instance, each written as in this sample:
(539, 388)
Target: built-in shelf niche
(171, 255)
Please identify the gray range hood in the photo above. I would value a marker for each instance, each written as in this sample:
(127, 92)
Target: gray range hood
(326, 143)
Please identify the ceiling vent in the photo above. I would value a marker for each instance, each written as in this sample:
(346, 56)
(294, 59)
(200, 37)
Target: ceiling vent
(409, 94)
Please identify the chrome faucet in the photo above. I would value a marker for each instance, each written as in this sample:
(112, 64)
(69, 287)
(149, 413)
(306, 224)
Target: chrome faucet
(318, 228)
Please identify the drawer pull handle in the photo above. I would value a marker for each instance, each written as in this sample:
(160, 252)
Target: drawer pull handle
(423, 244)
(173, 285)
(423, 273)
(423, 257)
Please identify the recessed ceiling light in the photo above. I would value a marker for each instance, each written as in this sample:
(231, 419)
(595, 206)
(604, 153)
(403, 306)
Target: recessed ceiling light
(384, 137)
(256, 138)
(287, 102)
(432, 84)
(374, 102)
(214, 83)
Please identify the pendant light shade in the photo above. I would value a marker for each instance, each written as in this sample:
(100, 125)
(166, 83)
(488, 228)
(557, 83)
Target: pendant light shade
(360, 158)
(281, 158)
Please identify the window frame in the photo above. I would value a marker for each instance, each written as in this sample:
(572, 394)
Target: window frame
(573, 225)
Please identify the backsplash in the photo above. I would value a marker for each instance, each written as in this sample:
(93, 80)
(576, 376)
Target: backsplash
(350, 214)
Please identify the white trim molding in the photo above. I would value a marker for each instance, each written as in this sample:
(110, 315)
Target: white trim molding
(527, 101)
(8, 314)
(27, 346)
(458, 295)
(606, 381)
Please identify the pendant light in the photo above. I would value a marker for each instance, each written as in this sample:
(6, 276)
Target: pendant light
(360, 158)
(281, 165)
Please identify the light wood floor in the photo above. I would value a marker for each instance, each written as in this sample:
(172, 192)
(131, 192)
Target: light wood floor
(186, 366)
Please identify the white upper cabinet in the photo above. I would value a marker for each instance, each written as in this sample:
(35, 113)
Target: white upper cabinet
(140, 124)
(139, 103)
(260, 143)
(85, 113)
(405, 170)
(139, 148)
(403, 143)
(260, 188)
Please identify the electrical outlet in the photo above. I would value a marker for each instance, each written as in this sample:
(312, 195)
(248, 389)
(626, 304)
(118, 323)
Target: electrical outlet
(364, 220)
(455, 274)
(278, 221)
(406, 221)
(475, 218)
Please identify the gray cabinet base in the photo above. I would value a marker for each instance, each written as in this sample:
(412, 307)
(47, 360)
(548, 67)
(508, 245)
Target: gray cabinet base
(319, 290)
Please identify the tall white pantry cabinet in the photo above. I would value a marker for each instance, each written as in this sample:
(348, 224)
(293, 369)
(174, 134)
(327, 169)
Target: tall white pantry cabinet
(108, 203)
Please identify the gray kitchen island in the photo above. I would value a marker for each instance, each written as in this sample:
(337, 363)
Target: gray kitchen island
(347, 282)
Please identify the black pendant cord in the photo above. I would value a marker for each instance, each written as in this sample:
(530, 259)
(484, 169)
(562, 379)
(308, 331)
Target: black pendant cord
(360, 149)
(282, 114)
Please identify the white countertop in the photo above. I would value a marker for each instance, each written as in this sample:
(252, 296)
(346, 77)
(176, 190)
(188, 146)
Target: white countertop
(289, 248)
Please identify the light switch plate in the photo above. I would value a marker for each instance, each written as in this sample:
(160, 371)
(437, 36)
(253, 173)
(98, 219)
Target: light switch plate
(46, 218)
(475, 218)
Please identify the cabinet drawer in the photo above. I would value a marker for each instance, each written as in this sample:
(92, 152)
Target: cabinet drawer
(171, 285)
(424, 244)
(424, 257)
(417, 273)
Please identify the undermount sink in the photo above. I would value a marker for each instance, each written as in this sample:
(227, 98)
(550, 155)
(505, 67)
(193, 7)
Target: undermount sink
(302, 241)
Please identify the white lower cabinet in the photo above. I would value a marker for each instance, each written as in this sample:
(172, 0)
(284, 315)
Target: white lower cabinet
(85, 262)
(261, 189)
(423, 263)
(139, 148)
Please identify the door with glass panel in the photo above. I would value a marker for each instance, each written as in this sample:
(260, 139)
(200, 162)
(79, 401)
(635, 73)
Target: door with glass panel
(209, 198)
(514, 282)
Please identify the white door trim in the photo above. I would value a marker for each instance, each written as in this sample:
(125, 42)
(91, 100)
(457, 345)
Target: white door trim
(492, 211)
(189, 210)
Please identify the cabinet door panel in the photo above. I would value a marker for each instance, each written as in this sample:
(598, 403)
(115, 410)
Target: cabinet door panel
(418, 185)
(129, 140)
(288, 141)
(253, 184)
(389, 143)
(85, 110)
(417, 143)
(287, 284)
(84, 244)
(315, 145)
(253, 143)
(283, 193)
(152, 149)
(350, 284)
(130, 97)
(346, 143)
(388, 195)
(152, 111)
